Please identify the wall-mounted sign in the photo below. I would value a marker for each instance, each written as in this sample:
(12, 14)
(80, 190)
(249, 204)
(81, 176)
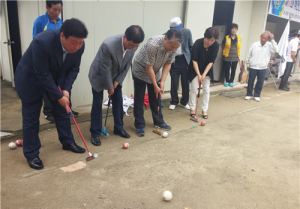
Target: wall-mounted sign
(288, 9)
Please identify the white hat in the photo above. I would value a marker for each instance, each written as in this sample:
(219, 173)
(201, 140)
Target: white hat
(175, 23)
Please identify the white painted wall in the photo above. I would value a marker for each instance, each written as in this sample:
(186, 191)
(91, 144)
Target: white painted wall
(258, 22)
(199, 16)
(107, 18)
(110, 18)
(26, 20)
(243, 17)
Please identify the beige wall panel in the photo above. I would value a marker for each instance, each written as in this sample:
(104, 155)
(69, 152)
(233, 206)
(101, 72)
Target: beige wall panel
(157, 15)
(199, 16)
(258, 22)
(105, 19)
(26, 20)
(242, 16)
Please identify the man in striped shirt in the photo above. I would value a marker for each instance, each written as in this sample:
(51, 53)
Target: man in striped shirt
(157, 53)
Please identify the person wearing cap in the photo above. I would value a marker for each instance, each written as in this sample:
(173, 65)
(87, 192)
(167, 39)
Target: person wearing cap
(158, 52)
(290, 60)
(231, 45)
(107, 72)
(180, 66)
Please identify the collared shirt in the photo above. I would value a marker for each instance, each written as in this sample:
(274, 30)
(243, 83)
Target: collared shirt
(65, 52)
(292, 47)
(124, 51)
(179, 51)
(259, 56)
(154, 54)
(43, 23)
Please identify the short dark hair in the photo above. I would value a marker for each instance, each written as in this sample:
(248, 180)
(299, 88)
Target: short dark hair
(211, 33)
(135, 33)
(174, 34)
(293, 33)
(49, 3)
(234, 25)
(74, 27)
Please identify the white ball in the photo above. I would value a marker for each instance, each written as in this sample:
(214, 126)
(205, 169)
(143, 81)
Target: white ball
(167, 195)
(12, 145)
(165, 134)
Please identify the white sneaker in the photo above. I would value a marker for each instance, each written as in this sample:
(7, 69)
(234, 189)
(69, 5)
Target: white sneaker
(248, 97)
(172, 107)
(187, 107)
(257, 99)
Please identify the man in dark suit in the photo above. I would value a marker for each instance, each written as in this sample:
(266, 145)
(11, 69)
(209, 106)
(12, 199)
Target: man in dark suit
(107, 72)
(180, 66)
(52, 60)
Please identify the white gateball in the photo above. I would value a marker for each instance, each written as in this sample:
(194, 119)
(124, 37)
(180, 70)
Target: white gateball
(165, 134)
(167, 195)
(12, 145)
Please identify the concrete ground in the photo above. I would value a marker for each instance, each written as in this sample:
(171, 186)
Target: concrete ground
(247, 156)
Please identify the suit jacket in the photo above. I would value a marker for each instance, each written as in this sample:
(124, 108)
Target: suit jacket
(187, 44)
(41, 69)
(109, 65)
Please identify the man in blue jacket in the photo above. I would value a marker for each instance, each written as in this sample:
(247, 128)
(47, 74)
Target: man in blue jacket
(50, 20)
(52, 60)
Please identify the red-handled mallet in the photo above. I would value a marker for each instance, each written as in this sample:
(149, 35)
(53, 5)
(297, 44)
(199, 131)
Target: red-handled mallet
(91, 156)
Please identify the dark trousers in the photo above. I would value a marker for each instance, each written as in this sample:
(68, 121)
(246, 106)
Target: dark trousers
(226, 69)
(47, 110)
(139, 94)
(286, 75)
(31, 115)
(179, 68)
(96, 113)
(260, 74)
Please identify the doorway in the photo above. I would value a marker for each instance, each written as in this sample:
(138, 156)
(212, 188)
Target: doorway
(223, 15)
(14, 31)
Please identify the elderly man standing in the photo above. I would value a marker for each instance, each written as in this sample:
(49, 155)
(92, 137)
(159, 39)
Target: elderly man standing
(157, 53)
(107, 72)
(180, 66)
(257, 61)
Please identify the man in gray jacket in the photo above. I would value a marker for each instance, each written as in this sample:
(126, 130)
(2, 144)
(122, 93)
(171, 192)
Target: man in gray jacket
(107, 72)
(180, 66)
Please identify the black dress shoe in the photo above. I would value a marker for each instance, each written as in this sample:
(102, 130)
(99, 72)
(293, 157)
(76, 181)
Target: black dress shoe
(285, 89)
(96, 141)
(36, 163)
(123, 134)
(49, 118)
(73, 147)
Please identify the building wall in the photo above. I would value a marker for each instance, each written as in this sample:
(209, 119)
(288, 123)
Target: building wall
(199, 16)
(258, 22)
(108, 18)
(26, 20)
(243, 18)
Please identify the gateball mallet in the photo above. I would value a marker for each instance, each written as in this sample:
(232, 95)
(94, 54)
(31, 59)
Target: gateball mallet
(91, 156)
(103, 129)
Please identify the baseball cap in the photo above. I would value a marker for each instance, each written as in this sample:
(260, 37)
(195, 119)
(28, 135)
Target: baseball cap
(175, 23)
